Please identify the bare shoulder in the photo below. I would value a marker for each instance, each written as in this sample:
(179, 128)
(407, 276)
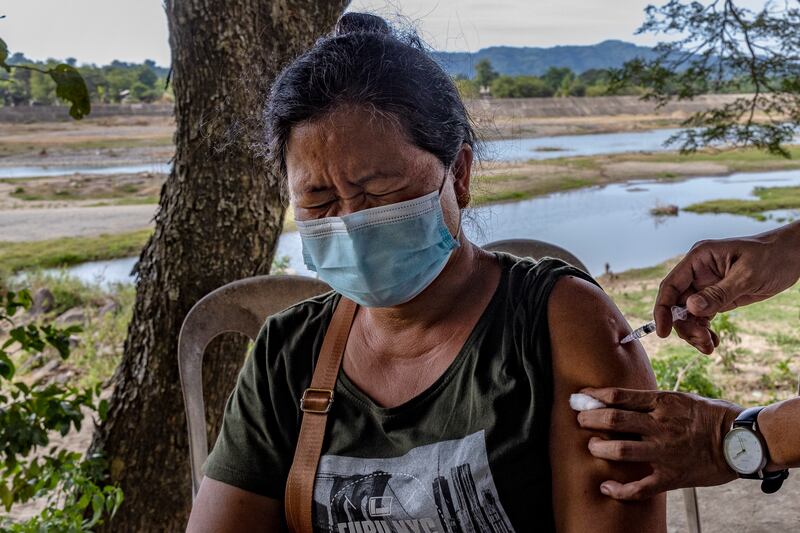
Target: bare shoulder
(585, 330)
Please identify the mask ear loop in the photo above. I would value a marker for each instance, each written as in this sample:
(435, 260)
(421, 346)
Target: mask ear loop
(444, 180)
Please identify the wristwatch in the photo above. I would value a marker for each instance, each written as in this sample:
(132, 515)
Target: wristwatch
(746, 452)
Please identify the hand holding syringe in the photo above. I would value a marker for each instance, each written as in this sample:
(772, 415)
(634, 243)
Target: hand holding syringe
(679, 312)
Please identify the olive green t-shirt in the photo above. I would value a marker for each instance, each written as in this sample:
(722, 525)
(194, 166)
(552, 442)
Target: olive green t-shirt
(470, 453)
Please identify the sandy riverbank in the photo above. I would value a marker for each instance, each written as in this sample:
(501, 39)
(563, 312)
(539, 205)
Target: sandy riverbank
(85, 205)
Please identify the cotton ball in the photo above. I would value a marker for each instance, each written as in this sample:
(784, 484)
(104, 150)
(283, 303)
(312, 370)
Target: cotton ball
(584, 402)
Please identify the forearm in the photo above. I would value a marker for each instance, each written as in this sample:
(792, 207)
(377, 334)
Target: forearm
(787, 239)
(779, 423)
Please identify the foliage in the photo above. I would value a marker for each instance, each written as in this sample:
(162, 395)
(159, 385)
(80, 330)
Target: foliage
(77, 500)
(97, 354)
(65, 251)
(686, 370)
(29, 83)
(484, 73)
(721, 47)
(467, 88)
(68, 83)
(520, 87)
(280, 265)
(729, 339)
(556, 81)
(782, 376)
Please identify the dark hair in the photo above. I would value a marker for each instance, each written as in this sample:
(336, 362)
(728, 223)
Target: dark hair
(365, 62)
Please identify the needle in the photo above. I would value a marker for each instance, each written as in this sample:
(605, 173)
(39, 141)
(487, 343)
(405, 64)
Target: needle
(678, 313)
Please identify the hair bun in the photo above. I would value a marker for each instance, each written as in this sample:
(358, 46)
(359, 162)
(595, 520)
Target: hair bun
(361, 23)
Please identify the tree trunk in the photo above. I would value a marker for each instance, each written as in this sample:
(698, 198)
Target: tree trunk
(219, 219)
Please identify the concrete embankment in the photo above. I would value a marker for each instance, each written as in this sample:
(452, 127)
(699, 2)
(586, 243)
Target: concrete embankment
(499, 107)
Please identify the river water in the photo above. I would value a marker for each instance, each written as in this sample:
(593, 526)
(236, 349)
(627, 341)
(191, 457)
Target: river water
(498, 150)
(609, 224)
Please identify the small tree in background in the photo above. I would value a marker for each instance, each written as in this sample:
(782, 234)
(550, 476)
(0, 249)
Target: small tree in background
(484, 73)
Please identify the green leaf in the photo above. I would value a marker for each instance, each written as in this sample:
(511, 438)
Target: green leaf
(4, 55)
(6, 496)
(84, 501)
(118, 498)
(24, 297)
(71, 87)
(97, 508)
(6, 367)
(103, 409)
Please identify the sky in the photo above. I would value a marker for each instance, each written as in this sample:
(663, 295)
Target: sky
(98, 31)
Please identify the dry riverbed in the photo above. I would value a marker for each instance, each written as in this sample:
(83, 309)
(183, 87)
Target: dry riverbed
(80, 196)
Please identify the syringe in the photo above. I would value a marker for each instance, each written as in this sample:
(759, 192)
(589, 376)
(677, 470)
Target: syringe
(679, 312)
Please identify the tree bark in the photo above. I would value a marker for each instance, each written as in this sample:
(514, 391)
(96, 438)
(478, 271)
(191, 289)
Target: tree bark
(220, 216)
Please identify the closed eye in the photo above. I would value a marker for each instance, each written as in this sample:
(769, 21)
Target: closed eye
(319, 206)
(385, 193)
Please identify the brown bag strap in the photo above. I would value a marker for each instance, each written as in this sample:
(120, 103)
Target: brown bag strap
(315, 404)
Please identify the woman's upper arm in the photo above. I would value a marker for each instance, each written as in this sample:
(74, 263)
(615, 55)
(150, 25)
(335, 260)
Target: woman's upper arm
(585, 328)
(221, 508)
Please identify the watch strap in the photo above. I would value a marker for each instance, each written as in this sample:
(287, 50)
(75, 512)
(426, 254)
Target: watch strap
(772, 481)
(748, 417)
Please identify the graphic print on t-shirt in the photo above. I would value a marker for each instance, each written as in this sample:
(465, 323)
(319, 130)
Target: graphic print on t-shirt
(446, 487)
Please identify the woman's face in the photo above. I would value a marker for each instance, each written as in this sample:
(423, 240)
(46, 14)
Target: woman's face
(352, 159)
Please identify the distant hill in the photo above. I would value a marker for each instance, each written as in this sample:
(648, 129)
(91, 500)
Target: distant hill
(514, 61)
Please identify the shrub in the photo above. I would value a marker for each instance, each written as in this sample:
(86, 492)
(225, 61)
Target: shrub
(685, 370)
(73, 485)
(520, 87)
(729, 339)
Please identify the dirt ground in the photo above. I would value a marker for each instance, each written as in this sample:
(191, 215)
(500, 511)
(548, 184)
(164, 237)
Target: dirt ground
(740, 507)
(78, 190)
(131, 129)
(36, 224)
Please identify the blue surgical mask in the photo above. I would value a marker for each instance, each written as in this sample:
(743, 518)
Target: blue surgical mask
(383, 256)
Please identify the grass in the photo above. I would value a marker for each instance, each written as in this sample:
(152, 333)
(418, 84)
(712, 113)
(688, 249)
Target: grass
(499, 188)
(739, 158)
(766, 365)
(788, 343)
(65, 251)
(767, 199)
(127, 200)
(117, 193)
(61, 194)
(100, 341)
(22, 148)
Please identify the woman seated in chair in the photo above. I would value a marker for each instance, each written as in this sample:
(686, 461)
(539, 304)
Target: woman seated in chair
(451, 408)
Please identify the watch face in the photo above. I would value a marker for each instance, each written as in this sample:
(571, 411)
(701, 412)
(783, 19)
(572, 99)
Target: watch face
(743, 451)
